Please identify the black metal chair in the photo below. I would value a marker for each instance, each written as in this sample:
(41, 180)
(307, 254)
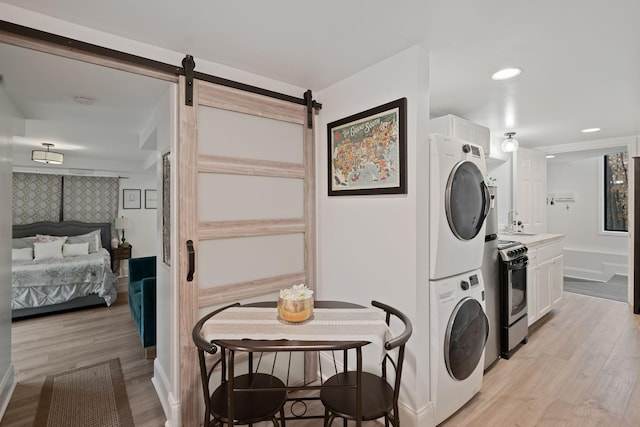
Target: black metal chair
(256, 396)
(379, 397)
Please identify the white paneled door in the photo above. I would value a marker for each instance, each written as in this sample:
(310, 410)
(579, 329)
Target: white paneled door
(246, 208)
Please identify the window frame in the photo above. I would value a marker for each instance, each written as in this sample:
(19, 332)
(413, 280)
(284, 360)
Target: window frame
(601, 198)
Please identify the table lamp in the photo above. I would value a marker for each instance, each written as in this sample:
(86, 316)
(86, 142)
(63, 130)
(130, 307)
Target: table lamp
(123, 223)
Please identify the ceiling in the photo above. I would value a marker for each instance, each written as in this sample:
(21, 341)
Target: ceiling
(580, 58)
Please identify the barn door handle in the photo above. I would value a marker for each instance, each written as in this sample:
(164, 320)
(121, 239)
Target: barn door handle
(192, 260)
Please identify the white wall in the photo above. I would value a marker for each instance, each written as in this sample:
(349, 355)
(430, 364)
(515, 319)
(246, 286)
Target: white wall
(589, 254)
(501, 172)
(10, 122)
(143, 233)
(376, 247)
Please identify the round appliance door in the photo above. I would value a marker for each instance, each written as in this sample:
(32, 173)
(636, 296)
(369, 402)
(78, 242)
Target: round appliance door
(465, 338)
(467, 200)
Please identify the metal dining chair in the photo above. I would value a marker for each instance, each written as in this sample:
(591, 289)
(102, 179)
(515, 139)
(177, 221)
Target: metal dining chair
(249, 406)
(379, 392)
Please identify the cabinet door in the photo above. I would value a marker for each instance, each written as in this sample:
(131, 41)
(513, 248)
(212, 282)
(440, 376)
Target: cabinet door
(544, 290)
(532, 287)
(556, 279)
(532, 290)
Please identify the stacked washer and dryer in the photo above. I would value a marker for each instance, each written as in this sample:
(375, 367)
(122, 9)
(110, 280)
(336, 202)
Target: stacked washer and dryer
(459, 204)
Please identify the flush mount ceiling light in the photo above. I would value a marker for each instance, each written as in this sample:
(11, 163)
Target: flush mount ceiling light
(84, 100)
(506, 73)
(510, 144)
(49, 157)
(589, 130)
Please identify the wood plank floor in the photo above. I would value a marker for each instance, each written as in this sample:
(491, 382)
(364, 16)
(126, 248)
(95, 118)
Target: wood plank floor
(581, 367)
(60, 342)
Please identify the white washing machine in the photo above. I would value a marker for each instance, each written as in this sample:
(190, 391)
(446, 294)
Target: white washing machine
(459, 331)
(459, 203)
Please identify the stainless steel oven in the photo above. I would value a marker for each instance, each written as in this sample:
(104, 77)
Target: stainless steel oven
(513, 296)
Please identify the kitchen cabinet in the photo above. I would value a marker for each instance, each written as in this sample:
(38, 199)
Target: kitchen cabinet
(544, 278)
(532, 277)
(457, 127)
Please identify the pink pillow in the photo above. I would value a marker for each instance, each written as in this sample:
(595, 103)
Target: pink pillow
(44, 238)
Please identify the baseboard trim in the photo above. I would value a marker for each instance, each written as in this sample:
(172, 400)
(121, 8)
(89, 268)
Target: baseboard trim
(7, 387)
(170, 405)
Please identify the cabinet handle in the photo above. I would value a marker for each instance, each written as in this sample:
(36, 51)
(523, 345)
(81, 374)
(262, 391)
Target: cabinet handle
(192, 260)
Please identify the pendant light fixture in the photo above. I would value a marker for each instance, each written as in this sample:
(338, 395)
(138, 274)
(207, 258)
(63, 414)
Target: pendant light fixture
(510, 144)
(49, 157)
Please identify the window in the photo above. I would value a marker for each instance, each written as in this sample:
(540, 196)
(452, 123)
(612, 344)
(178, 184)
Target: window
(616, 203)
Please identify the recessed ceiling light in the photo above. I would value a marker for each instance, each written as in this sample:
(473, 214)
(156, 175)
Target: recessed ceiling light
(84, 100)
(550, 156)
(589, 130)
(506, 73)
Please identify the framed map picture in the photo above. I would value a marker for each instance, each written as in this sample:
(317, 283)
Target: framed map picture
(368, 151)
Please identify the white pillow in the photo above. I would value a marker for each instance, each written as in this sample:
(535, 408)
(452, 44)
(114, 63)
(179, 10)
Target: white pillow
(75, 249)
(93, 238)
(23, 254)
(48, 250)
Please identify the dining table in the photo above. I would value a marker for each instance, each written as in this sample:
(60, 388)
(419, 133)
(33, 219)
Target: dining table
(256, 328)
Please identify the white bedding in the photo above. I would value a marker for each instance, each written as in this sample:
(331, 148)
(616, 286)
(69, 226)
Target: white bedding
(45, 282)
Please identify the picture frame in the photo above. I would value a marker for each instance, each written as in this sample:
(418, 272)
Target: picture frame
(131, 199)
(367, 151)
(150, 199)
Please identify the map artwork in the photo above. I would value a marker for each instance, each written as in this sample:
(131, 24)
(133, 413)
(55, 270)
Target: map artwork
(366, 153)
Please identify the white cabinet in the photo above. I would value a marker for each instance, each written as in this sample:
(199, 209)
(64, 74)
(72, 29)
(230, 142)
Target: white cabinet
(544, 279)
(556, 279)
(544, 288)
(532, 278)
(457, 127)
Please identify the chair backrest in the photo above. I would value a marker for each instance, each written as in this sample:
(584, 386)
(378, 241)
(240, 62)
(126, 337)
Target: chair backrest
(399, 342)
(207, 347)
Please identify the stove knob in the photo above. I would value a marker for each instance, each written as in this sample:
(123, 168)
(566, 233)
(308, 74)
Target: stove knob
(464, 285)
(511, 253)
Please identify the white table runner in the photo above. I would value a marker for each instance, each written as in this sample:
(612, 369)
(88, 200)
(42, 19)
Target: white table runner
(326, 324)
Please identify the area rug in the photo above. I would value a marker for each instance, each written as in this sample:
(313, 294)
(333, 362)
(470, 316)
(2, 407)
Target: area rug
(91, 396)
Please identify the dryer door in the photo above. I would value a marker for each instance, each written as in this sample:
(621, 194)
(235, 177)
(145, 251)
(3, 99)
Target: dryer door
(467, 200)
(465, 338)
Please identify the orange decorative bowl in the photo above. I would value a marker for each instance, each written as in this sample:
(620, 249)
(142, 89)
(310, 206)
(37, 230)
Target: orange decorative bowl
(295, 311)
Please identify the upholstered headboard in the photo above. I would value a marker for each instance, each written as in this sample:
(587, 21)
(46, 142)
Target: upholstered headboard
(65, 228)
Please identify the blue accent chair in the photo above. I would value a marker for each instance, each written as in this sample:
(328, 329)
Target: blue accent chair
(142, 297)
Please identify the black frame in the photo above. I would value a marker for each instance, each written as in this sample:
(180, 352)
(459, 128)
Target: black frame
(607, 189)
(357, 123)
(147, 192)
(124, 198)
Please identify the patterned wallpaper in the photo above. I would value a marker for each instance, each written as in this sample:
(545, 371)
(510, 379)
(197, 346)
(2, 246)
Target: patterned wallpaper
(37, 197)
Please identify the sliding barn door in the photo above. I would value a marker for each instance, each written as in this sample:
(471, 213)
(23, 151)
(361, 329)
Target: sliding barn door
(246, 208)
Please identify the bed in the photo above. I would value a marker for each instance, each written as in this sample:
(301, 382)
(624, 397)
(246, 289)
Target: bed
(44, 284)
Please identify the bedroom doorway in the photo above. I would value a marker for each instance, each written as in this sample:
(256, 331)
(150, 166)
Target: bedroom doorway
(126, 122)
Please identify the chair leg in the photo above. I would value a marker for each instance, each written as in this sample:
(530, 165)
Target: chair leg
(328, 417)
(282, 422)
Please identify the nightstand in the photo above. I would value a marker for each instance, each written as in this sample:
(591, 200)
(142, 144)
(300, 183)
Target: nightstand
(117, 255)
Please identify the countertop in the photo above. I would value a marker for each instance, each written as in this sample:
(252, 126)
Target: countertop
(532, 240)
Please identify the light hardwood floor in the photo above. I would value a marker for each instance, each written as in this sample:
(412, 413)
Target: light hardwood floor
(581, 367)
(60, 342)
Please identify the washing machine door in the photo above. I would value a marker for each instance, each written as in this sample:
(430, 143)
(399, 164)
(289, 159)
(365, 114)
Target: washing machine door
(465, 338)
(467, 200)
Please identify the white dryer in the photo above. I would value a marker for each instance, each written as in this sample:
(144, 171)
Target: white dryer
(459, 331)
(459, 203)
